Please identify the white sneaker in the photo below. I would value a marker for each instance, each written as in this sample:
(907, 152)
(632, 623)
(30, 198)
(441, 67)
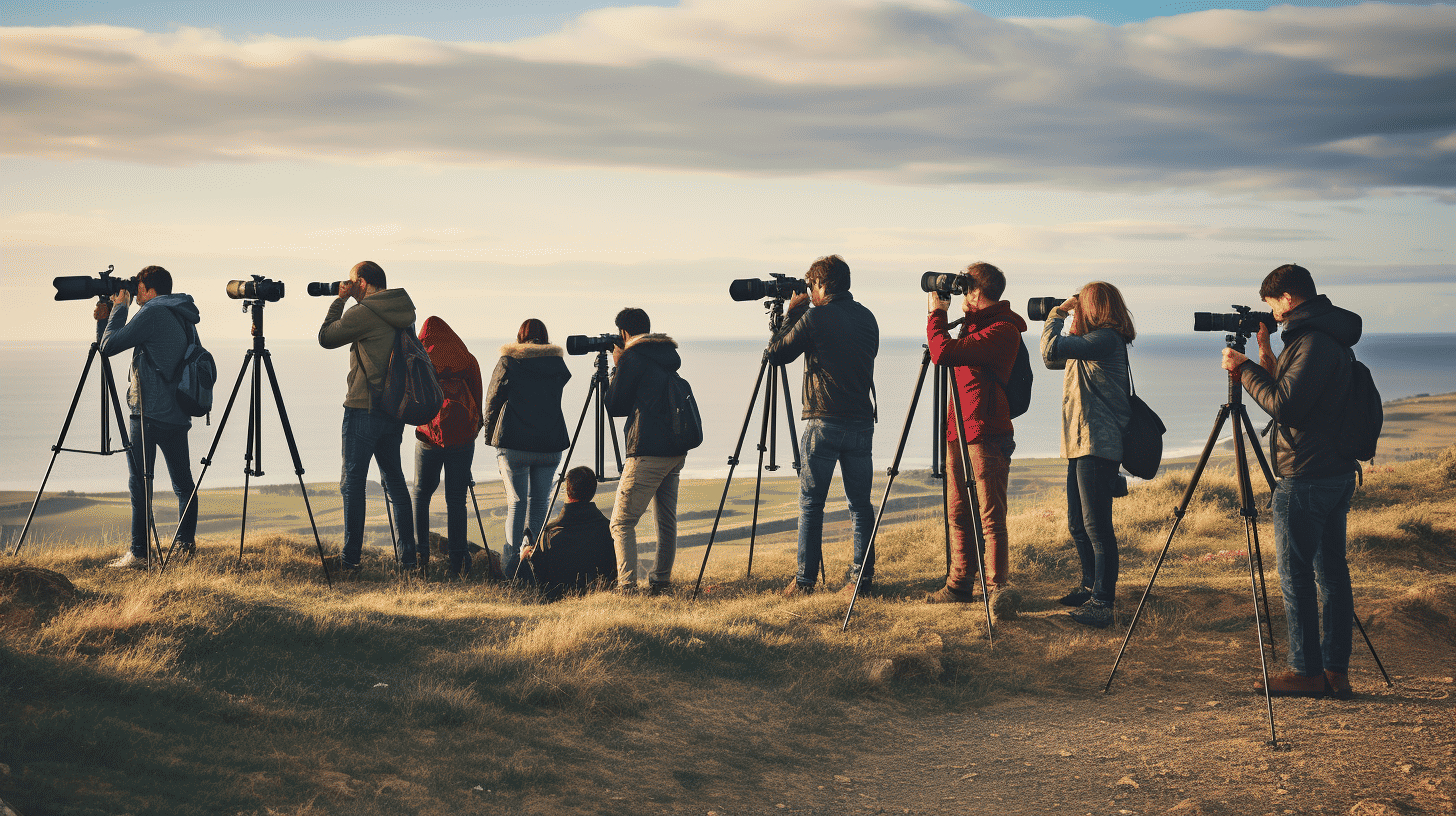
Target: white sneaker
(129, 561)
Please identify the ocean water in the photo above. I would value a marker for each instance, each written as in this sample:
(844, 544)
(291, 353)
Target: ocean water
(1178, 375)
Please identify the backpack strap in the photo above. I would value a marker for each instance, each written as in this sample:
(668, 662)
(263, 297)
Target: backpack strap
(189, 335)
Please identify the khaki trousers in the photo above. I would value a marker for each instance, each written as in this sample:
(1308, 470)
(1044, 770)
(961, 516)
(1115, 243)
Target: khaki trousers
(646, 480)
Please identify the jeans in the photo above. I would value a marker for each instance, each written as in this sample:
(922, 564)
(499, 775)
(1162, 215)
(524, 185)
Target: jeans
(373, 435)
(646, 480)
(526, 476)
(172, 440)
(991, 460)
(847, 443)
(1089, 519)
(1309, 536)
(455, 460)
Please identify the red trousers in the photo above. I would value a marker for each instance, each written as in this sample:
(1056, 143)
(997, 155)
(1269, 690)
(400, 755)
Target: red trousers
(991, 459)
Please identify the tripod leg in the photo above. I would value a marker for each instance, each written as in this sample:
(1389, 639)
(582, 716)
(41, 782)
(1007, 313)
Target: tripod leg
(389, 517)
(1249, 510)
(243, 526)
(478, 520)
(789, 418)
(1249, 535)
(942, 445)
(979, 535)
(297, 463)
(1371, 647)
(593, 396)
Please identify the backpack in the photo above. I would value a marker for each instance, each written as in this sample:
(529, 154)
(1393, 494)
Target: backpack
(458, 418)
(684, 424)
(1018, 387)
(410, 391)
(1362, 417)
(194, 375)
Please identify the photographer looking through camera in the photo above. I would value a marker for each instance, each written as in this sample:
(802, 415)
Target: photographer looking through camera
(158, 337)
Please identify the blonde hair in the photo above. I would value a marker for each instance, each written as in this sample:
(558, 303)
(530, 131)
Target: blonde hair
(1100, 306)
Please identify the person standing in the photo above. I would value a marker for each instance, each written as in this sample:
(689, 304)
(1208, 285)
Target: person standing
(368, 328)
(448, 442)
(524, 423)
(638, 391)
(577, 553)
(1095, 413)
(158, 336)
(1305, 391)
(839, 339)
(983, 357)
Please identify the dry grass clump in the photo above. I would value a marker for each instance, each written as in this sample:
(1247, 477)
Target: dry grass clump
(1446, 463)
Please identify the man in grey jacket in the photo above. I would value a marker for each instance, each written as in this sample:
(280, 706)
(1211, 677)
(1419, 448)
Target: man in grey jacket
(158, 337)
(368, 329)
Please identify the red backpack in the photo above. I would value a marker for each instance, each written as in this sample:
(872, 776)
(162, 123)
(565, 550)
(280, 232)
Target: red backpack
(459, 418)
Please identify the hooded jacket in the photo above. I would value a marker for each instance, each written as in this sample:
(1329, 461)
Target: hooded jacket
(369, 326)
(1095, 407)
(638, 391)
(1306, 394)
(459, 376)
(576, 551)
(159, 340)
(983, 357)
(523, 406)
(839, 341)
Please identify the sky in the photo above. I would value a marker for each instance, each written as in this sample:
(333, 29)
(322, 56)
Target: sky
(562, 159)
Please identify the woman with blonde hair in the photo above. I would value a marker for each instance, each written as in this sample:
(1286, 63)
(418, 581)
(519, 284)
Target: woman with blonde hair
(1095, 413)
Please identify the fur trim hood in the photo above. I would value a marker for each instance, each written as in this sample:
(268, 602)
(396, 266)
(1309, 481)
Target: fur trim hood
(526, 351)
(652, 338)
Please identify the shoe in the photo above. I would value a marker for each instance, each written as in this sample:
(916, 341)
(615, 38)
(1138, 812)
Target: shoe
(1077, 597)
(658, 588)
(1290, 684)
(627, 590)
(797, 590)
(130, 560)
(188, 550)
(1005, 602)
(347, 571)
(1094, 613)
(947, 595)
(1339, 683)
(866, 590)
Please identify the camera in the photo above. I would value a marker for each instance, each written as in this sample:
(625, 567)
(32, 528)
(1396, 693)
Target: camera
(259, 288)
(781, 287)
(946, 285)
(81, 287)
(321, 289)
(583, 344)
(1244, 321)
(1039, 308)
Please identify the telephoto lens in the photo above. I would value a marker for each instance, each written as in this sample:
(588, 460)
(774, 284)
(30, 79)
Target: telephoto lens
(782, 287)
(586, 344)
(946, 285)
(259, 288)
(323, 289)
(82, 287)
(1039, 308)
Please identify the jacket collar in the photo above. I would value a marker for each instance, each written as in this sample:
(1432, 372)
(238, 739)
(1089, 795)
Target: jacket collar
(525, 351)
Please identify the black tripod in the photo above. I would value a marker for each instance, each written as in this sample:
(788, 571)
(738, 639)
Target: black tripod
(110, 402)
(777, 378)
(1243, 433)
(259, 357)
(944, 382)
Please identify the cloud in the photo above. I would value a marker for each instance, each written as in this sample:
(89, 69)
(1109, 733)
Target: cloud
(1292, 102)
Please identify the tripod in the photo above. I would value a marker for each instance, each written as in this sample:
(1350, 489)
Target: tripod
(259, 357)
(110, 402)
(1243, 433)
(944, 381)
(777, 378)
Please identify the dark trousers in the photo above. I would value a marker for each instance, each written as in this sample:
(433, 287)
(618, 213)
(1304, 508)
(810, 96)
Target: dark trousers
(172, 441)
(455, 461)
(372, 435)
(1089, 519)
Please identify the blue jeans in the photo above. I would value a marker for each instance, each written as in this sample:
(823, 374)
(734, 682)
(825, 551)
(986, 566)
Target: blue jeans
(1089, 520)
(526, 476)
(172, 440)
(847, 443)
(1309, 536)
(455, 460)
(373, 435)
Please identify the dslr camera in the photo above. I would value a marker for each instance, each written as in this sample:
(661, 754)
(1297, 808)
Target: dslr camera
(1039, 308)
(1244, 321)
(945, 285)
(81, 287)
(259, 288)
(782, 287)
(585, 344)
(322, 289)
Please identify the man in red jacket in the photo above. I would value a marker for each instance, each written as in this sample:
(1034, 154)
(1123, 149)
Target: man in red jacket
(982, 358)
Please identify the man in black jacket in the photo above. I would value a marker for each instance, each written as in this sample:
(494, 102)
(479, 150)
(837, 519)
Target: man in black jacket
(839, 339)
(638, 391)
(1305, 391)
(577, 552)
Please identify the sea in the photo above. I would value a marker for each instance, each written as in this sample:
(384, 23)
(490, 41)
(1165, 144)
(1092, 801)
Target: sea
(1178, 375)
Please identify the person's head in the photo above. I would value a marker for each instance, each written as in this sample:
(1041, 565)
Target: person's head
(1287, 287)
(829, 276)
(581, 484)
(632, 322)
(532, 331)
(371, 274)
(986, 280)
(1099, 306)
(153, 281)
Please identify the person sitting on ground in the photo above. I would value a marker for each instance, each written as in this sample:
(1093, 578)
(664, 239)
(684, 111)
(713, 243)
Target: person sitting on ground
(576, 553)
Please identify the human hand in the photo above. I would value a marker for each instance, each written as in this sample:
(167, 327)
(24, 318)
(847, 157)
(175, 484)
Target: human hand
(798, 300)
(101, 312)
(1266, 352)
(346, 288)
(1069, 305)
(934, 302)
(526, 552)
(617, 354)
(1232, 360)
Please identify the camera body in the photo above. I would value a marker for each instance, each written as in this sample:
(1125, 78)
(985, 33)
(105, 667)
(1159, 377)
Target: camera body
(1039, 308)
(259, 288)
(945, 284)
(1244, 321)
(587, 344)
(82, 287)
(322, 289)
(782, 287)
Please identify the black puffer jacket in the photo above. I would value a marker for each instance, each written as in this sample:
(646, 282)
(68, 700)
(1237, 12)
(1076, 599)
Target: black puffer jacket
(577, 552)
(523, 405)
(638, 391)
(1306, 396)
(839, 341)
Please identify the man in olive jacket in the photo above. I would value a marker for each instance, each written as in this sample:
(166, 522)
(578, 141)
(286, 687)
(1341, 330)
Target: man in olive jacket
(369, 329)
(1305, 390)
(638, 391)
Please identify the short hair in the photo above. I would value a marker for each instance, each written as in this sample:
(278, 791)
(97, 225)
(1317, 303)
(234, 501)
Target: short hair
(581, 484)
(371, 273)
(832, 272)
(532, 331)
(986, 279)
(634, 321)
(1100, 305)
(1291, 278)
(157, 279)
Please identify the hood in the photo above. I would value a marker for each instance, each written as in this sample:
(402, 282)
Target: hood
(998, 312)
(526, 351)
(182, 305)
(660, 348)
(447, 351)
(1319, 314)
(393, 306)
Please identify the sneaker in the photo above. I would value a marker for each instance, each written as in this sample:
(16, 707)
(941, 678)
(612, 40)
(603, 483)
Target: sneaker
(947, 595)
(1078, 596)
(657, 588)
(130, 560)
(1005, 602)
(1290, 684)
(1339, 683)
(1094, 613)
(797, 590)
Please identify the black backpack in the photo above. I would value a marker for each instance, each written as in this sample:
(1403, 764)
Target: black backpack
(1018, 388)
(411, 390)
(1363, 415)
(684, 424)
(194, 375)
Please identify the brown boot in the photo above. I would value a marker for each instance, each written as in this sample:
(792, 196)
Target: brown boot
(797, 590)
(1339, 683)
(947, 595)
(1290, 684)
